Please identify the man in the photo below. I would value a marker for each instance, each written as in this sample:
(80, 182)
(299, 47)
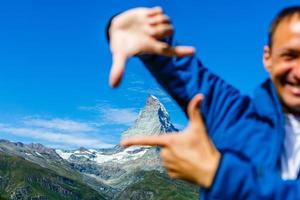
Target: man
(256, 140)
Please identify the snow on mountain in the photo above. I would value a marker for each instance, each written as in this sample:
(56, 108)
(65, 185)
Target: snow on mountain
(114, 166)
(153, 119)
(100, 157)
(64, 154)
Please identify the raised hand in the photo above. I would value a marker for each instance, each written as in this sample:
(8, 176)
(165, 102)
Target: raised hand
(138, 31)
(189, 155)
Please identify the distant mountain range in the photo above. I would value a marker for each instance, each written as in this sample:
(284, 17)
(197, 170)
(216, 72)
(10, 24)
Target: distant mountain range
(35, 172)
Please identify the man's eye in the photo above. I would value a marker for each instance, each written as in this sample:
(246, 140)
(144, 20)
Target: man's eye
(289, 56)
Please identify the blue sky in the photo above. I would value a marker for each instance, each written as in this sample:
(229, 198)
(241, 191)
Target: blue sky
(55, 62)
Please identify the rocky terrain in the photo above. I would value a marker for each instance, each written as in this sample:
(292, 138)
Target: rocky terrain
(22, 179)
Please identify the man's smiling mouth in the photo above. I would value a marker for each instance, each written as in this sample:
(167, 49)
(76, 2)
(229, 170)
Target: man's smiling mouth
(293, 87)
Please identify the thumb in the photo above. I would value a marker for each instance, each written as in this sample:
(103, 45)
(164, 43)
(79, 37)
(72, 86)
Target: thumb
(182, 51)
(193, 109)
(157, 140)
(117, 69)
(162, 48)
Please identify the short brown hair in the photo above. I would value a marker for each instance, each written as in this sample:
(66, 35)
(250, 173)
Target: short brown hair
(283, 14)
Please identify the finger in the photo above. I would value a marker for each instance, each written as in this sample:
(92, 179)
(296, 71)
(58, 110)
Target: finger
(155, 10)
(162, 48)
(182, 51)
(193, 109)
(173, 174)
(166, 155)
(117, 69)
(169, 165)
(159, 19)
(162, 30)
(161, 141)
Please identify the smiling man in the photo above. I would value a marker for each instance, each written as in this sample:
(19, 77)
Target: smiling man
(282, 60)
(253, 148)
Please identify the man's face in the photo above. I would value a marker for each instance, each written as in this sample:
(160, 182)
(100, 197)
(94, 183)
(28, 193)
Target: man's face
(283, 62)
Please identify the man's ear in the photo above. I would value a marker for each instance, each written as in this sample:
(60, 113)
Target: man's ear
(267, 58)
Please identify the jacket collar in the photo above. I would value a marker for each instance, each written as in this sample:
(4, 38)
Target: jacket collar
(267, 102)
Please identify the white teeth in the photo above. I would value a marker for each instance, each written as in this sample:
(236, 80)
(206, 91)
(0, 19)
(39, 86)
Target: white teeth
(295, 89)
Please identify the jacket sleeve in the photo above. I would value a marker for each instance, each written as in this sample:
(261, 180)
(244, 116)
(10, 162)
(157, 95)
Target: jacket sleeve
(237, 178)
(185, 77)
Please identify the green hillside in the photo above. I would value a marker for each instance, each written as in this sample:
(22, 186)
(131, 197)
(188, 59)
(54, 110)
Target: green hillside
(154, 185)
(21, 179)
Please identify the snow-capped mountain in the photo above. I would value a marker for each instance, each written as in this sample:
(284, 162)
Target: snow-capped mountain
(101, 157)
(153, 119)
(117, 167)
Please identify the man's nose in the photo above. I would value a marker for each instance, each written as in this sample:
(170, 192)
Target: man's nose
(297, 70)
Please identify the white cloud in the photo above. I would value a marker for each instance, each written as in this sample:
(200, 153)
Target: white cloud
(124, 116)
(56, 131)
(66, 139)
(110, 115)
(60, 124)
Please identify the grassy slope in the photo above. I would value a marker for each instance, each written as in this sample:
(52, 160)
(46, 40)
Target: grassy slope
(16, 172)
(157, 186)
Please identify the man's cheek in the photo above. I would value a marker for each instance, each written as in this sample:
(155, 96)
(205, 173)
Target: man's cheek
(282, 70)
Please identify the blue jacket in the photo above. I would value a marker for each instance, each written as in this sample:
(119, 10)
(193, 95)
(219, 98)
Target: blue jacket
(249, 132)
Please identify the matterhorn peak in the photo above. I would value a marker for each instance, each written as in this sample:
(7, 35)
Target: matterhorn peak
(153, 119)
(152, 100)
(153, 105)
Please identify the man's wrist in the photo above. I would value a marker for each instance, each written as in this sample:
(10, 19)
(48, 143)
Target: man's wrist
(208, 180)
